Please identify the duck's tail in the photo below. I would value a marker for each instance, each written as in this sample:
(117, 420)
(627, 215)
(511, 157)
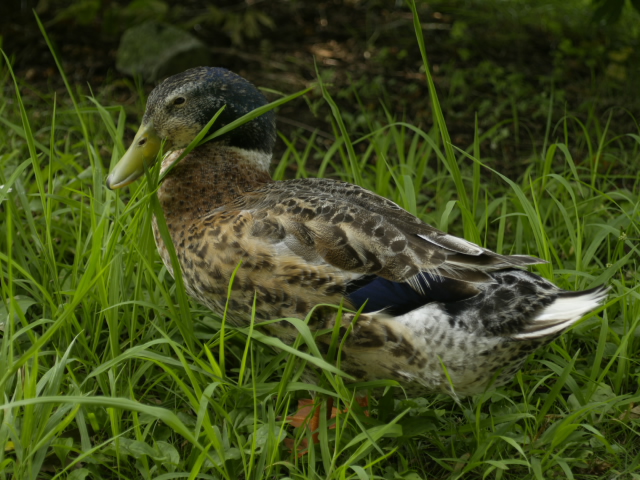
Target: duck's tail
(567, 309)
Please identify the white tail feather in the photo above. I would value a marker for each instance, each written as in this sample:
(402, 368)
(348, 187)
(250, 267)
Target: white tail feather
(561, 314)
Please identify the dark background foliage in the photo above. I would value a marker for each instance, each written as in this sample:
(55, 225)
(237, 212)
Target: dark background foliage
(507, 62)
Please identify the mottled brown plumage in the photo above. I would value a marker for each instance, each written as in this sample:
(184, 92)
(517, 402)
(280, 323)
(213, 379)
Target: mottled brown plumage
(432, 298)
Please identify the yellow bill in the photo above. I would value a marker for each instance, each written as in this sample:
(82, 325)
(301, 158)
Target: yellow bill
(140, 155)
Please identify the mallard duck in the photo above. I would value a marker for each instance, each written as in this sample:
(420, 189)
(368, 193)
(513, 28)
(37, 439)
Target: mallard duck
(427, 299)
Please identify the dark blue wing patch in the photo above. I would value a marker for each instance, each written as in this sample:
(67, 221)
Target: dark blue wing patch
(397, 298)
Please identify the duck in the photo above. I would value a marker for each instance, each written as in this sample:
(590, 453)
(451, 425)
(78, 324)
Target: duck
(434, 312)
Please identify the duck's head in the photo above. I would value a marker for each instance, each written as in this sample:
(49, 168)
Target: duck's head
(182, 105)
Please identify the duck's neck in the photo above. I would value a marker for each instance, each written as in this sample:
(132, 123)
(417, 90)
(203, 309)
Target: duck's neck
(209, 177)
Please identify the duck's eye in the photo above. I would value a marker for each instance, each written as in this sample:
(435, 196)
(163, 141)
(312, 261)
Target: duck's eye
(179, 101)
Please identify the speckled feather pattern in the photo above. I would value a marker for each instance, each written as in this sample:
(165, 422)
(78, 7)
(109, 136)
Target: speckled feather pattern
(307, 242)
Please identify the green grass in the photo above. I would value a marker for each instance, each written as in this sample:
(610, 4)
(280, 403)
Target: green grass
(108, 371)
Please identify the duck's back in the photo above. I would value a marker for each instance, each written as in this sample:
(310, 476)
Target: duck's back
(309, 241)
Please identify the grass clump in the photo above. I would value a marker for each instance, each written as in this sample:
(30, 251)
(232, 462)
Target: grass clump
(108, 371)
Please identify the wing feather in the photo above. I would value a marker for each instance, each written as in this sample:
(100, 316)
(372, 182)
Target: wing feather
(361, 232)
